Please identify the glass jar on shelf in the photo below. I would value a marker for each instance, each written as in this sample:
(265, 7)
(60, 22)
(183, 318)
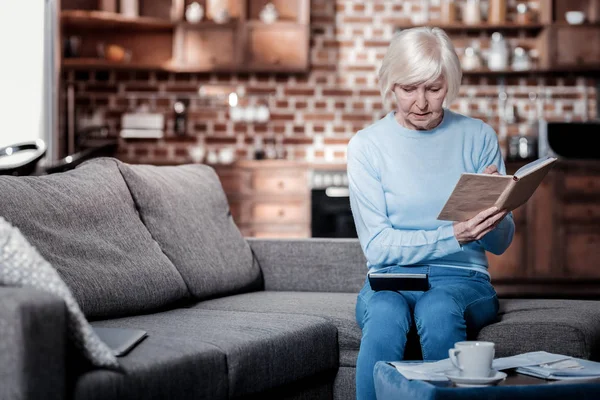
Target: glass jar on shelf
(520, 59)
(471, 12)
(498, 53)
(448, 12)
(524, 16)
(471, 59)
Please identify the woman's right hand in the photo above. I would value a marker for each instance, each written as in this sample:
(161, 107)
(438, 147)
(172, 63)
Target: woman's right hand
(478, 226)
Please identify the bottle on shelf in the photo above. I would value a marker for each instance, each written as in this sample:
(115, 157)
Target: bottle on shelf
(180, 109)
(448, 12)
(130, 8)
(498, 53)
(497, 12)
(259, 151)
(471, 12)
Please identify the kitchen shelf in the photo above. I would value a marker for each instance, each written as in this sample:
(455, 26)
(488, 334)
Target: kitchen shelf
(155, 42)
(459, 27)
(208, 24)
(95, 63)
(273, 25)
(579, 70)
(107, 20)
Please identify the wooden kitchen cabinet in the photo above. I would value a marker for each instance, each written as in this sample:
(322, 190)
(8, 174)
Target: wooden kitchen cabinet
(511, 263)
(158, 39)
(268, 198)
(205, 47)
(278, 46)
(556, 248)
(565, 46)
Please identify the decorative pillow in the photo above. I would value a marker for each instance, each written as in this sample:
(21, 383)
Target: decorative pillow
(21, 265)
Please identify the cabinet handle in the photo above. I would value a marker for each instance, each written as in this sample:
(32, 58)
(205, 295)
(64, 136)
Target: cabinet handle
(281, 185)
(281, 213)
(276, 60)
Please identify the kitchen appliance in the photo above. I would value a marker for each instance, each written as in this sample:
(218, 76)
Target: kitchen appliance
(331, 215)
(569, 140)
(522, 147)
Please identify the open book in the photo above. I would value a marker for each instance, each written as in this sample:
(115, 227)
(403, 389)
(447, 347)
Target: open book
(474, 193)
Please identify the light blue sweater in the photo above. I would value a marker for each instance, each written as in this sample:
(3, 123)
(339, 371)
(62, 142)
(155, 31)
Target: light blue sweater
(401, 178)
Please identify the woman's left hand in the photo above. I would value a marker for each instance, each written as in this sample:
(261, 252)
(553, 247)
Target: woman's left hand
(491, 169)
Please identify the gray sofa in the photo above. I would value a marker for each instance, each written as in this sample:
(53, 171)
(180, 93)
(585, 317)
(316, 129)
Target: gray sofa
(228, 317)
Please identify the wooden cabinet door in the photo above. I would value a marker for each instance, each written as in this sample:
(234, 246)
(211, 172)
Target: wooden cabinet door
(205, 48)
(512, 263)
(582, 252)
(577, 46)
(277, 47)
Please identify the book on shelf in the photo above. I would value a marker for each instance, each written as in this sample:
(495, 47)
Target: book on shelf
(474, 192)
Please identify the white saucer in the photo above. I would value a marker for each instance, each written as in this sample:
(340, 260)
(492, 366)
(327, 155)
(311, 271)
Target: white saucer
(468, 381)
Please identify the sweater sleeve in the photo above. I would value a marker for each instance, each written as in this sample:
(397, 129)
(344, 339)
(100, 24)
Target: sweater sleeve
(382, 244)
(499, 239)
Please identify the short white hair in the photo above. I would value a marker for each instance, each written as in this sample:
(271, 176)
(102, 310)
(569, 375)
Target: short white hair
(419, 55)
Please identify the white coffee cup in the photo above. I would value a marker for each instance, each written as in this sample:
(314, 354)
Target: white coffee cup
(473, 358)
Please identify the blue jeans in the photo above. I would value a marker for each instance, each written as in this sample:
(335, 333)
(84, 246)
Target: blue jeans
(458, 300)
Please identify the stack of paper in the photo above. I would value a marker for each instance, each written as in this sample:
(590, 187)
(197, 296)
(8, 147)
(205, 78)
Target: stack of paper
(529, 362)
(573, 368)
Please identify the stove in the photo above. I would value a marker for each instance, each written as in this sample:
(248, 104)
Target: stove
(331, 216)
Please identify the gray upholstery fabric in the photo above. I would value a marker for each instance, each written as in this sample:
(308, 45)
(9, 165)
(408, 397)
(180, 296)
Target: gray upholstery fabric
(345, 384)
(570, 327)
(22, 266)
(84, 223)
(311, 265)
(163, 366)
(314, 388)
(186, 210)
(261, 351)
(33, 328)
(338, 308)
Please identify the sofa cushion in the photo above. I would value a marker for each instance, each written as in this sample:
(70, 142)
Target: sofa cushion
(259, 351)
(84, 223)
(570, 327)
(186, 210)
(338, 308)
(22, 266)
(163, 366)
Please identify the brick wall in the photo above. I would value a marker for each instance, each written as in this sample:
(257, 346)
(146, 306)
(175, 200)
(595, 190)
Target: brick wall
(315, 114)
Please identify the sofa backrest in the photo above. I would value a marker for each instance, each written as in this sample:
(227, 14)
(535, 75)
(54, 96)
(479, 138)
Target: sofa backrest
(186, 211)
(85, 223)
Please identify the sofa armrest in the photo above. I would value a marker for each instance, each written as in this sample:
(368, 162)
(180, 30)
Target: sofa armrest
(315, 265)
(33, 338)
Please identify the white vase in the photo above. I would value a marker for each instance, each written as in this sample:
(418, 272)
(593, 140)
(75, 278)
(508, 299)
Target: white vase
(194, 13)
(130, 8)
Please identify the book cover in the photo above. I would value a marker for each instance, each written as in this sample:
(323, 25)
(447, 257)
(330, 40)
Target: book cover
(474, 193)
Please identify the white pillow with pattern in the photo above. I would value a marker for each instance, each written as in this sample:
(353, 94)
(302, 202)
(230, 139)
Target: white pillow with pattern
(21, 265)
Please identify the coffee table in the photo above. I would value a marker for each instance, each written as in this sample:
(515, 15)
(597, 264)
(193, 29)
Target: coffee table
(391, 384)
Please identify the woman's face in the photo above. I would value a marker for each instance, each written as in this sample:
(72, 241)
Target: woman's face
(420, 105)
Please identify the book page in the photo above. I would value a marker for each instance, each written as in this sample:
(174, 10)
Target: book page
(524, 187)
(472, 194)
(532, 166)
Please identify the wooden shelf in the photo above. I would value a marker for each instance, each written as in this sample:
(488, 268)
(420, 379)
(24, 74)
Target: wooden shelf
(579, 70)
(459, 27)
(274, 25)
(208, 24)
(95, 63)
(98, 63)
(108, 20)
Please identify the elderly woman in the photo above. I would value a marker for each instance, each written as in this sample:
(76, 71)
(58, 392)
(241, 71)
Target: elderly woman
(401, 171)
